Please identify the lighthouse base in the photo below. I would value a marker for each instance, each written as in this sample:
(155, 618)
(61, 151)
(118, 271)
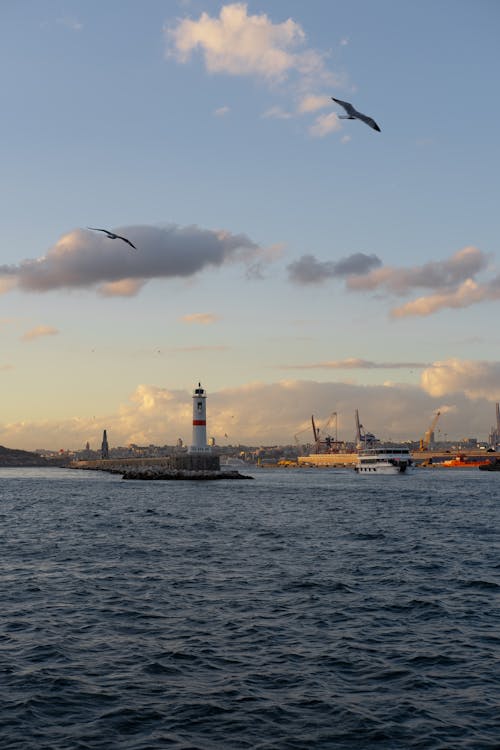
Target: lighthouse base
(195, 462)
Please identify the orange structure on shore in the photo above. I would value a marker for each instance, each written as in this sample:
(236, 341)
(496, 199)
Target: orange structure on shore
(460, 461)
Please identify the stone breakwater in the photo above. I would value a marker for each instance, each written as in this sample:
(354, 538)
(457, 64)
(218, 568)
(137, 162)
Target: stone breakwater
(169, 474)
(155, 469)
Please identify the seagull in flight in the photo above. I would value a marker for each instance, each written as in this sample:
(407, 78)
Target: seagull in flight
(113, 236)
(353, 114)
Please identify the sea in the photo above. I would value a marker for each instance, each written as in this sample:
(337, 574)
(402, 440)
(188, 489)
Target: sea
(301, 609)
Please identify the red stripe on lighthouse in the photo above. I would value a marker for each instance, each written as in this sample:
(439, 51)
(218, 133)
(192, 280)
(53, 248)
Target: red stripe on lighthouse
(199, 422)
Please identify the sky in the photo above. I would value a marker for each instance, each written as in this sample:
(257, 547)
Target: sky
(292, 261)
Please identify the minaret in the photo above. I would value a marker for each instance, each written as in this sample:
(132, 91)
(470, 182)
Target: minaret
(104, 446)
(199, 444)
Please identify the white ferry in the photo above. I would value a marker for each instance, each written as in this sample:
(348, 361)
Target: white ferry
(231, 463)
(383, 461)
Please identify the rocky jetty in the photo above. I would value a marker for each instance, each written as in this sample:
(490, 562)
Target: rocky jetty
(154, 473)
(168, 467)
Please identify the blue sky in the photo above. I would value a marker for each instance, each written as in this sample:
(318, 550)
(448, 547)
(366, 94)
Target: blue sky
(294, 262)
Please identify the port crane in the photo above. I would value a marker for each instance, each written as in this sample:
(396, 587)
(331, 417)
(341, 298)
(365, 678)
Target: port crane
(495, 431)
(428, 437)
(318, 441)
(363, 439)
(296, 436)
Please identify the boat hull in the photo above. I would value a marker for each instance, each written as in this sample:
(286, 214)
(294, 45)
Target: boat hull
(381, 469)
(383, 460)
(491, 466)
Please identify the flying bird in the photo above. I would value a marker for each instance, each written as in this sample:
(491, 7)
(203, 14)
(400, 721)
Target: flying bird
(113, 236)
(353, 114)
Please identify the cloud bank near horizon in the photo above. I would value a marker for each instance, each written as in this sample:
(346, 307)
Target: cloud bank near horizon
(474, 379)
(355, 363)
(84, 259)
(464, 391)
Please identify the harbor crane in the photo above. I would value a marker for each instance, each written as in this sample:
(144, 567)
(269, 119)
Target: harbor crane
(315, 429)
(318, 441)
(296, 436)
(428, 437)
(495, 431)
(363, 439)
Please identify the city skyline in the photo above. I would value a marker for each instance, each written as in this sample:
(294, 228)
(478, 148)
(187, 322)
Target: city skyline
(293, 262)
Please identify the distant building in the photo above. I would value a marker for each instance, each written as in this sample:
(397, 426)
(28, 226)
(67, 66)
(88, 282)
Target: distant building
(104, 446)
(470, 442)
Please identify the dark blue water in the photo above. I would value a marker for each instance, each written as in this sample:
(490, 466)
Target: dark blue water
(303, 609)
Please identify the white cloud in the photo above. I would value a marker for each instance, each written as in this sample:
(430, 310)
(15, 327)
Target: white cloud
(309, 270)
(451, 280)
(325, 124)
(216, 348)
(475, 379)
(312, 102)
(221, 111)
(204, 319)
(277, 113)
(122, 288)
(39, 332)
(84, 259)
(70, 23)
(6, 284)
(355, 363)
(467, 294)
(442, 274)
(240, 44)
(263, 257)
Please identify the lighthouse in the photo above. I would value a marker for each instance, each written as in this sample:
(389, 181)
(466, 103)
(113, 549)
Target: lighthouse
(199, 444)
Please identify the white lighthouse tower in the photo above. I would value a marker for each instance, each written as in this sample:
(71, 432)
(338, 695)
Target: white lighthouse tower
(199, 444)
